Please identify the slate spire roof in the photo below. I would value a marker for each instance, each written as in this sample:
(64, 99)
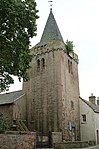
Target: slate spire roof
(51, 30)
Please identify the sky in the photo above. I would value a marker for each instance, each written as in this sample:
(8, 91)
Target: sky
(78, 21)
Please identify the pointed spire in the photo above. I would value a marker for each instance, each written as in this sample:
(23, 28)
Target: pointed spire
(51, 30)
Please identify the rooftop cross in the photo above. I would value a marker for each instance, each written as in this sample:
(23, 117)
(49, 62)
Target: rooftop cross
(51, 4)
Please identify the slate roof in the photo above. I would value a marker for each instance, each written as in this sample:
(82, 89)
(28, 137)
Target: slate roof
(9, 98)
(51, 31)
(94, 107)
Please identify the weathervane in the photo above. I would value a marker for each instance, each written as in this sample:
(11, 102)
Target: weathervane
(51, 4)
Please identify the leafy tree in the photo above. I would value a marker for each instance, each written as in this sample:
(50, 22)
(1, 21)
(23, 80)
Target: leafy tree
(17, 27)
(3, 124)
(69, 46)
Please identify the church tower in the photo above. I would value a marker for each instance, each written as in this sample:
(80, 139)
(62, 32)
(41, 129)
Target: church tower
(53, 89)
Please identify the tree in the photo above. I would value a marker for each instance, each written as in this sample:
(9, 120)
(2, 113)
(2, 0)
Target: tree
(17, 27)
(3, 125)
(69, 46)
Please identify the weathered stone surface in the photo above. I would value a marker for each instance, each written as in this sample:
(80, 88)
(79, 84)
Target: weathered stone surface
(17, 141)
(14, 110)
(51, 90)
(70, 145)
(56, 137)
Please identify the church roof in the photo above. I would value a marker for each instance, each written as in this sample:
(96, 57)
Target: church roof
(9, 98)
(51, 31)
(94, 107)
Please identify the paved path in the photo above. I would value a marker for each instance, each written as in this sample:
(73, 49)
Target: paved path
(93, 147)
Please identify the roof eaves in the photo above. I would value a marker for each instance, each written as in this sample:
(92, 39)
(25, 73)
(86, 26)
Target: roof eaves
(11, 102)
(1, 104)
(18, 97)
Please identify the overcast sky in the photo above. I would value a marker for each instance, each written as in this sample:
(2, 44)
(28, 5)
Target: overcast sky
(78, 21)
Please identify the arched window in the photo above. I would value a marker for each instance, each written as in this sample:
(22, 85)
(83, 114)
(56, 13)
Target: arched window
(43, 62)
(38, 64)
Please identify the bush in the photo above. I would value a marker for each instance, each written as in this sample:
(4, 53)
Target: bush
(69, 46)
(3, 124)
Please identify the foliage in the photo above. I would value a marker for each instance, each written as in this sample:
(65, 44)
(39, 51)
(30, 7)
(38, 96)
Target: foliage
(17, 27)
(3, 124)
(69, 46)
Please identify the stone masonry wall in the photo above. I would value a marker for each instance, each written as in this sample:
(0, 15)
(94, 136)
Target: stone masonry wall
(70, 98)
(43, 90)
(70, 145)
(50, 92)
(17, 141)
(19, 108)
(56, 137)
(7, 111)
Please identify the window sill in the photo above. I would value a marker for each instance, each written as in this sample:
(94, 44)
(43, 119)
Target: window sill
(83, 122)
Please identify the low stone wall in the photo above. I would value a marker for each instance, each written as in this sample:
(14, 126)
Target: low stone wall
(66, 145)
(56, 137)
(17, 140)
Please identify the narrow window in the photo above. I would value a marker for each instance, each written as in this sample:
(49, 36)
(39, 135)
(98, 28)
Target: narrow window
(38, 64)
(72, 105)
(69, 66)
(83, 118)
(71, 69)
(43, 63)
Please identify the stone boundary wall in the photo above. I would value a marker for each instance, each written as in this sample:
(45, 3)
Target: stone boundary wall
(56, 137)
(66, 145)
(17, 140)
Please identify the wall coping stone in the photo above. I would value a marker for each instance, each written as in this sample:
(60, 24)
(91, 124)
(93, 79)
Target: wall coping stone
(18, 132)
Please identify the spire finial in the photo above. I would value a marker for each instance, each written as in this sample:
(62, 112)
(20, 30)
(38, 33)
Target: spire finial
(51, 5)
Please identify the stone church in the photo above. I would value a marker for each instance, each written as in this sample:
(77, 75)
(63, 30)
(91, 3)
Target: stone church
(49, 101)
